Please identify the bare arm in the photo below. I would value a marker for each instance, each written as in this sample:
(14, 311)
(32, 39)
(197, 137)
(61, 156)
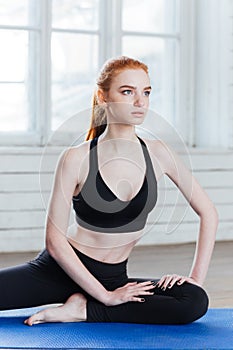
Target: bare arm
(57, 245)
(198, 199)
(65, 181)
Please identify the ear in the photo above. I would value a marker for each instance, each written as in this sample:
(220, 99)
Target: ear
(101, 96)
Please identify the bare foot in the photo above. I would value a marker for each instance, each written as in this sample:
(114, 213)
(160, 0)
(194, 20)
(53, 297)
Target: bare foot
(74, 310)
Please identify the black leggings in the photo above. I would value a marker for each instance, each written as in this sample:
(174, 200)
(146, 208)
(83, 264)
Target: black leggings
(42, 281)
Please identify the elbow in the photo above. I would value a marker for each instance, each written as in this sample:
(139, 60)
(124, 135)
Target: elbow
(210, 216)
(51, 247)
(214, 214)
(54, 243)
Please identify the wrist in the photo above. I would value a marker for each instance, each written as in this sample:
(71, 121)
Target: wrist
(105, 298)
(195, 280)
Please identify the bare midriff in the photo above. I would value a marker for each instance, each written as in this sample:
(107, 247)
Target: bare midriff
(105, 247)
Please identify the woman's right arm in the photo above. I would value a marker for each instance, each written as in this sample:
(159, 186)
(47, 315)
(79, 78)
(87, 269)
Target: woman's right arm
(65, 182)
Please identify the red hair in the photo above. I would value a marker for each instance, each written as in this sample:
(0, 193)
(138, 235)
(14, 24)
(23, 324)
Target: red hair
(109, 70)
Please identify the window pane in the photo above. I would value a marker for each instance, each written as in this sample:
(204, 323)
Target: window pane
(74, 69)
(13, 55)
(149, 15)
(13, 100)
(18, 12)
(75, 14)
(17, 79)
(160, 56)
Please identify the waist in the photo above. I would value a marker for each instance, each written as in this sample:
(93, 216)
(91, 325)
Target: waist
(103, 270)
(102, 246)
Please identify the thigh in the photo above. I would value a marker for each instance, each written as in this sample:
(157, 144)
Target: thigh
(40, 281)
(179, 304)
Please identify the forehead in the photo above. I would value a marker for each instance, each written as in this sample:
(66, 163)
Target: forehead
(134, 77)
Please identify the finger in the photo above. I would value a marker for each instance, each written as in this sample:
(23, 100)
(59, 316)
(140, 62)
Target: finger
(166, 281)
(131, 292)
(145, 293)
(142, 286)
(140, 300)
(151, 286)
(128, 285)
(140, 289)
(174, 281)
(145, 287)
(182, 280)
(161, 281)
(146, 283)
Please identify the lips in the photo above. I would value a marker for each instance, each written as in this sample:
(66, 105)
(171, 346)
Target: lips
(138, 113)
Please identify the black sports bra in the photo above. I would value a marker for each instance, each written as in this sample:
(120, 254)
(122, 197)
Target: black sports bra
(98, 209)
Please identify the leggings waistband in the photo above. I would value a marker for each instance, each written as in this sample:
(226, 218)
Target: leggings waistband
(108, 269)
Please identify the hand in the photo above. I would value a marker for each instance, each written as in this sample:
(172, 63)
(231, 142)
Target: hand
(129, 292)
(168, 281)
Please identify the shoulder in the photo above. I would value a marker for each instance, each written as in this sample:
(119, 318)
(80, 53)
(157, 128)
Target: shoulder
(161, 153)
(170, 163)
(75, 155)
(155, 146)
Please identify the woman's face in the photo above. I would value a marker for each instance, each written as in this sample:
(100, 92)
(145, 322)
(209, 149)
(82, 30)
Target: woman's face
(128, 97)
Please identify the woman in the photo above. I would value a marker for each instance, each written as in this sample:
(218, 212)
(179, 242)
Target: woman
(111, 178)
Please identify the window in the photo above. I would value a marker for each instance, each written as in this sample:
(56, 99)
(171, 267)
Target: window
(151, 33)
(53, 50)
(74, 50)
(19, 38)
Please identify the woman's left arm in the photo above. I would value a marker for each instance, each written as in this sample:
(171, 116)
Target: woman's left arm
(175, 169)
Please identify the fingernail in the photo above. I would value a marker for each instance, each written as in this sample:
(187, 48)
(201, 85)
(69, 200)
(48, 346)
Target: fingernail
(142, 300)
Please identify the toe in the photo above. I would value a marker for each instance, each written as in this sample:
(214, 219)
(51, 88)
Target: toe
(28, 321)
(34, 319)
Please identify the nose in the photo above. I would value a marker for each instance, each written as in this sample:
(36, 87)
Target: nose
(139, 100)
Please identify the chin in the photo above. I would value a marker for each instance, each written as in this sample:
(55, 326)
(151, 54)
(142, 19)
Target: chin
(134, 121)
(138, 120)
(128, 120)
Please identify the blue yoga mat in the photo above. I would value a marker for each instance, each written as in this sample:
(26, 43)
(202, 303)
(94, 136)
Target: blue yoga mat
(213, 331)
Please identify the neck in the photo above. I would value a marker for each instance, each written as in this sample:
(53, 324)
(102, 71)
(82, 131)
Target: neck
(116, 133)
(119, 131)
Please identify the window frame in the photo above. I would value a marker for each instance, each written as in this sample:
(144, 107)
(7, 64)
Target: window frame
(26, 137)
(109, 45)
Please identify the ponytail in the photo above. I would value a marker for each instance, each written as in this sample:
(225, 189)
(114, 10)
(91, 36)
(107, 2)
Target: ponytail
(98, 120)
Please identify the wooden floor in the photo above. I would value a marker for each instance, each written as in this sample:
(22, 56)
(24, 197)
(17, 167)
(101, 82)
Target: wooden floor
(154, 261)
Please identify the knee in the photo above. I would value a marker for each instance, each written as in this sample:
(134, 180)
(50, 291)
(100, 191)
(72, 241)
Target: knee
(197, 303)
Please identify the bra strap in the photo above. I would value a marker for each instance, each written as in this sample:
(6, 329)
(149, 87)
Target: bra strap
(93, 154)
(149, 166)
(145, 152)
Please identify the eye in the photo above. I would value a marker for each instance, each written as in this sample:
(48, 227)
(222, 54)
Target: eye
(147, 93)
(127, 92)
